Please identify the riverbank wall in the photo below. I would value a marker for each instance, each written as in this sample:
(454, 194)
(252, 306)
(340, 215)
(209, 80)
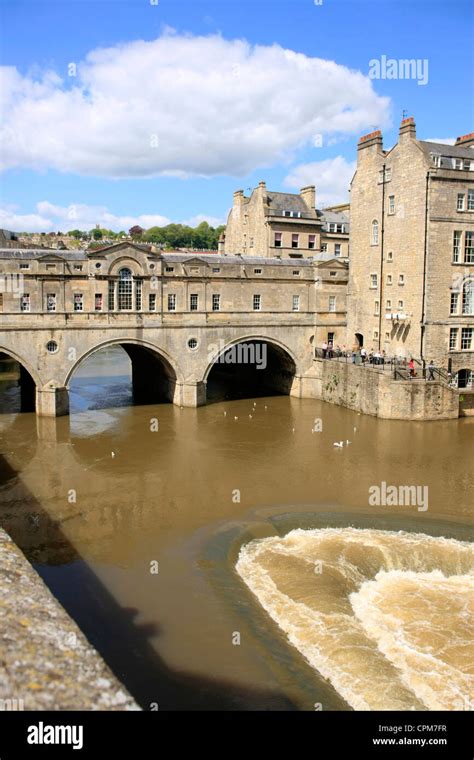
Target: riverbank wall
(46, 662)
(375, 392)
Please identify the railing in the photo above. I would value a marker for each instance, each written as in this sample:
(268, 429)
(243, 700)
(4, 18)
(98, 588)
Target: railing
(398, 366)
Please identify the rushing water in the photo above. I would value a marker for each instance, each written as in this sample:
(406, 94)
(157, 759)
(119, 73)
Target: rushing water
(386, 617)
(138, 530)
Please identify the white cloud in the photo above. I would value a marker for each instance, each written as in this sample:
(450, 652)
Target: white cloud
(50, 218)
(442, 140)
(331, 177)
(181, 105)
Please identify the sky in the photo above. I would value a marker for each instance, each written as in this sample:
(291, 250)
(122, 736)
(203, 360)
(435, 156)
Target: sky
(122, 112)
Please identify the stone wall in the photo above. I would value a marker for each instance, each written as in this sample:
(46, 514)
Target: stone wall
(466, 403)
(375, 392)
(46, 662)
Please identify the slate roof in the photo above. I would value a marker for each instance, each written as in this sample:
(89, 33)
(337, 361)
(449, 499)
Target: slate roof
(334, 217)
(454, 151)
(214, 259)
(37, 253)
(280, 202)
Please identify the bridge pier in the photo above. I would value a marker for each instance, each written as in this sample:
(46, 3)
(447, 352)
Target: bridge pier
(52, 401)
(190, 394)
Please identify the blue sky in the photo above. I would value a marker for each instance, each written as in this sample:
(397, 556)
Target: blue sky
(167, 129)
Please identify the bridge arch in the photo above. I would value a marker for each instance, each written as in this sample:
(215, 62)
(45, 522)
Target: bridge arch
(155, 375)
(250, 365)
(27, 379)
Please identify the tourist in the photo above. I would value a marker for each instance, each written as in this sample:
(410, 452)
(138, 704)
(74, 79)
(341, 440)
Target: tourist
(325, 349)
(431, 369)
(330, 353)
(363, 354)
(411, 368)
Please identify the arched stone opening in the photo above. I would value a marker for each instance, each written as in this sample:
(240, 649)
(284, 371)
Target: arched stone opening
(17, 386)
(121, 374)
(250, 368)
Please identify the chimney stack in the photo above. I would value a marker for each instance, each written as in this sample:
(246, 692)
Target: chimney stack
(466, 141)
(408, 128)
(373, 141)
(308, 194)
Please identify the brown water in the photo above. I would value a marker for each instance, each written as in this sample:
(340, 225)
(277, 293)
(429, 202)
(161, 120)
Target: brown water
(96, 499)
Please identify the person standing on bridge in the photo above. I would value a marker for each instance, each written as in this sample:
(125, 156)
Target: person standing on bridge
(431, 369)
(325, 349)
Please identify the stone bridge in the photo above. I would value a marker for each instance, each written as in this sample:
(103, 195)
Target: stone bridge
(178, 317)
(172, 361)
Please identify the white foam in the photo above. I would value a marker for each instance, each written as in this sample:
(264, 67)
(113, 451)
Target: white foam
(345, 619)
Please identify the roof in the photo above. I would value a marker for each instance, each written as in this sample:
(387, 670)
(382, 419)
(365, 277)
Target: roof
(36, 253)
(213, 259)
(280, 202)
(334, 217)
(454, 151)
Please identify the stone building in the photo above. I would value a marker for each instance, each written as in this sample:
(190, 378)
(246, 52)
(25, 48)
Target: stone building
(411, 284)
(272, 224)
(335, 231)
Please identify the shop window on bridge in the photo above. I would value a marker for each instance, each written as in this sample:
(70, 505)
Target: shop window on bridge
(125, 287)
(78, 302)
(51, 302)
(138, 295)
(111, 295)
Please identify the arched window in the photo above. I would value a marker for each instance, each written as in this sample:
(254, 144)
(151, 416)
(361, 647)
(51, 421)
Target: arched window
(375, 232)
(468, 297)
(125, 290)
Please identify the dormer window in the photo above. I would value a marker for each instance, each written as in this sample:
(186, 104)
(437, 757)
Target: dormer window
(436, 158)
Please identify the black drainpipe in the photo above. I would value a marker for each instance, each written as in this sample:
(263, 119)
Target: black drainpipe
(381, 258)
(425, 253)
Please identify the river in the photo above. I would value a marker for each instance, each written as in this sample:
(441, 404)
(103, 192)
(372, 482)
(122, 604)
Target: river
(229, 557)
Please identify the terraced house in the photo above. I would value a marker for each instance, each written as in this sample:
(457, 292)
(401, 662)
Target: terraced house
(411, 283)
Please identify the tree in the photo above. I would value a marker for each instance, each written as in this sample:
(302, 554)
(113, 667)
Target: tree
(97, 234)
(136, 231)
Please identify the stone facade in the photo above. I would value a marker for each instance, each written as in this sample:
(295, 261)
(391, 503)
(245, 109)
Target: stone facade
(270, 224)
(173, 313)
(412, 249)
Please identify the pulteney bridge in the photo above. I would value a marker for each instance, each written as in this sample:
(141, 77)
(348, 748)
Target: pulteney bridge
(176, 315)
